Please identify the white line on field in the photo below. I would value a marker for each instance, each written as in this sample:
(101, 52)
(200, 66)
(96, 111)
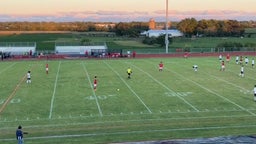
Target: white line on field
(7, 68)
(166, 87)
(54, 91)
(226, 99)
(237, 86)
(245, 68)
(245, 76)
(132, 114)
(129, 87)
(96, 99)
(135, 132)
(131, 120)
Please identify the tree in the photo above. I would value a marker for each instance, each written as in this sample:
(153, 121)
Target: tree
(161, 40)
(132, 29)
(188, 26)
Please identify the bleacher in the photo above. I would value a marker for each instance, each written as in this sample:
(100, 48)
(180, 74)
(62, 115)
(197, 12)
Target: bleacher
(80, 50)
(17, 48)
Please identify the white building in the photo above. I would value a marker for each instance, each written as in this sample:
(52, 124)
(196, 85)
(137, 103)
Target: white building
(157, 33)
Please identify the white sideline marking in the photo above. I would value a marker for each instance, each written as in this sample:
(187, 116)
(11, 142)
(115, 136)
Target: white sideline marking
(54, 91)
(129, 87)
(133, 132)
(166, 88)
(134, 120)
(96, 99)
(141, 113)
(215, 94)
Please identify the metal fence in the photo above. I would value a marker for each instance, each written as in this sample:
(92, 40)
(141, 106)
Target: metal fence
(17, 44)
(191, 50)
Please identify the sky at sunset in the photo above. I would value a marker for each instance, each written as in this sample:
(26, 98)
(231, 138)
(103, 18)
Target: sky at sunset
(125, 10)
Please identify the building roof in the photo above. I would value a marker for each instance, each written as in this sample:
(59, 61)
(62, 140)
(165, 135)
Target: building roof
(156, 33)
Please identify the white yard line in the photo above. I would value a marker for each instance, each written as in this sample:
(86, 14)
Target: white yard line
(96, 99)
(54, 91)
(129, 88)
(134, 132)
(221, 79)
(245, 69)
(124, 114)
(245, 76)
(224, 98)
(125, 121)
(166, 87)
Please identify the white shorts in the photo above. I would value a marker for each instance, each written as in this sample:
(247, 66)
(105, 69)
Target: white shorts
(47, 69)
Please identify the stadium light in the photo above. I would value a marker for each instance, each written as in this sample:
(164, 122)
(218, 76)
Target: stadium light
(166, 28)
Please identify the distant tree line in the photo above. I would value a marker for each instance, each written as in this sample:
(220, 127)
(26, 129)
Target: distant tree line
(55, 26)
(217, 28)
(189, 26)
(130, 29)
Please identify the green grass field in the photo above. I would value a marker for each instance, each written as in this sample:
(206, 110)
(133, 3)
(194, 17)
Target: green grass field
(177, 103)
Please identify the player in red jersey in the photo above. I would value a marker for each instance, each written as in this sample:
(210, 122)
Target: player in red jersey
(228, 58)
(222, 66)
(46, 68)
(95, 83)
(186, 55)
(161, 66)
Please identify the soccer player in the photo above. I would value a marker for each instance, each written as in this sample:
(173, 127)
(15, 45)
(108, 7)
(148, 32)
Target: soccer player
(186, 55)
(246, 60)
(228, 58)
(161, 66)
(29, 77)
(19, 135)
(95, 83)
(252, 62)
(254, 91)
(46, 68)
(222, 66)
(237, 58)
(129, 72)
(220, 57)
(241, 60)
(242, 71)
(133, 54)
(195, 67)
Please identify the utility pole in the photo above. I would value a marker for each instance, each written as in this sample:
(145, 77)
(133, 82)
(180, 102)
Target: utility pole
(166, 28)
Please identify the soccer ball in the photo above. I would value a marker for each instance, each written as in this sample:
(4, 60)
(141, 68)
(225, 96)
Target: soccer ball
(117, 89)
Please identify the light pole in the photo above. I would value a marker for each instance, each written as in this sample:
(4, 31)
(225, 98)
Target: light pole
(166, 28)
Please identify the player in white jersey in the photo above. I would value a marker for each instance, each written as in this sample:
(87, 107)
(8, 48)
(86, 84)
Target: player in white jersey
(237, 58)
(220, 57)
(252, 62)
(195, 67)
(246, 60)
(254, 92)
(29, 77)
(242, 71)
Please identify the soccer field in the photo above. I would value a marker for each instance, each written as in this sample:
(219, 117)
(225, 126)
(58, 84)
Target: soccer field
(62, 107)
